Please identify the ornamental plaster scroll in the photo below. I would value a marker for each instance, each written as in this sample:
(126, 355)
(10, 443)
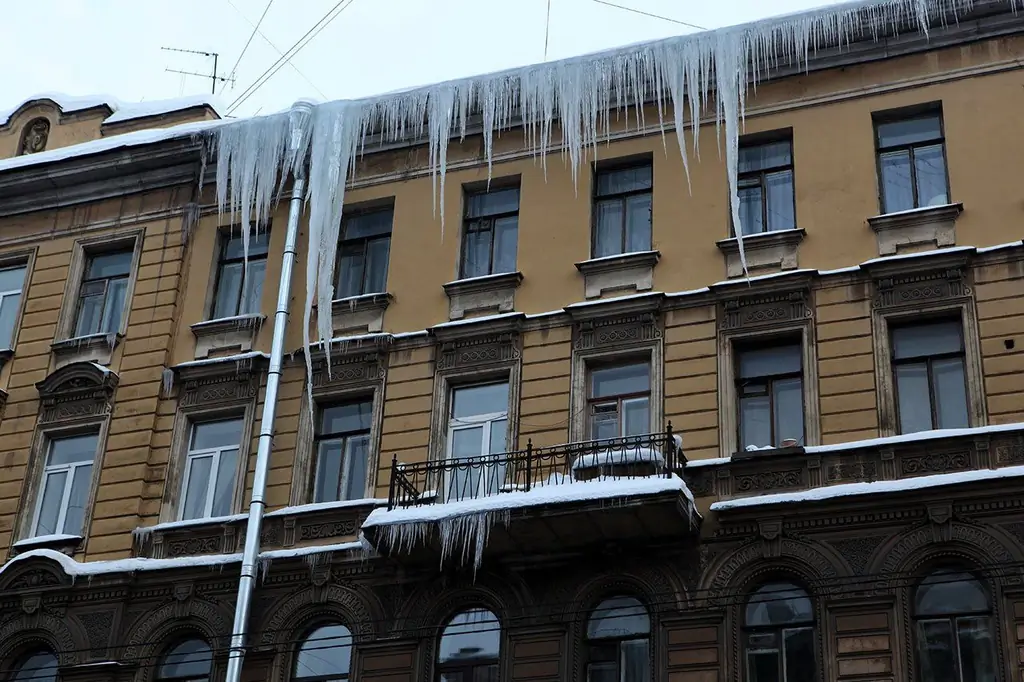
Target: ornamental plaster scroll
(353, 607)
(186, 615)
(39, 628)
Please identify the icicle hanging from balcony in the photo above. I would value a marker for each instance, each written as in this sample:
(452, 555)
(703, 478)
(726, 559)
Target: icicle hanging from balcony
(686, 74)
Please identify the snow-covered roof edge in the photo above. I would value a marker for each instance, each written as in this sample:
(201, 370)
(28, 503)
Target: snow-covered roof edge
(121, 111)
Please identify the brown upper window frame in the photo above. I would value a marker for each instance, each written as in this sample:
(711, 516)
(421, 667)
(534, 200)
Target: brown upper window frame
(904, 323)
(906, 114)
(615, 166)
(746, 179)
(742, 346)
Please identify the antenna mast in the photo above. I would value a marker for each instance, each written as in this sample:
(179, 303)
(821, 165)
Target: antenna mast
(214, 76)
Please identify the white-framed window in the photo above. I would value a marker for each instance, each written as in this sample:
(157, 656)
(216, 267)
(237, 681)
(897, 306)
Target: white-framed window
(619, 400)
(477, 430)
(12, 282)
(208, 488)
(67, 479)
(342, 451)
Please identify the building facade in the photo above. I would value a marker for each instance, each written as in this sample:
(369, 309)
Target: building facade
(565, 431)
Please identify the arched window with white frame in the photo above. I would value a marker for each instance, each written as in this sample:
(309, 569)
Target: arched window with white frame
(618, 641)
(955, 634)
(778, 632)
(470, 648)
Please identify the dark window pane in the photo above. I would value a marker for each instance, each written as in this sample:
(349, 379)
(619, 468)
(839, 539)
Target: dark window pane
(346, 418)
(90, 313)
(485, 673)
(40, 666)
(914, 403)
(763, 666)
(604, 421)
(950, 393)
(328, 470)
(897, 185)
(977, 650)
(751, 217)
(229, 285)
(77, 501)
(505, 239)
(49, 507)
(947, 592)
(765, 156)
(799, 654)
(930, 168)
(376, 276)
(361, 225)
(253, 290)
(115, 264)
(624, 180)
(922, 340)
(258, 244)
(12, 279)
(327, 651)
(789, 410)
(602, 672)
(936, 652)
(635, 661)
(620, 380)
(224, 485)
(779, 604)
(350, 271)
(774, 360)
(608, 230)
(779, 187)
(9, 305)
(492, 203)
(638, 223)
(618, 617)
(113, 306)
(471, 635)
(191, 658)
(909, 131)
(471, 401)
(755, 422)
(477, 252)
(636, 417)
(218, 434)
(357, 453)
(64, 451)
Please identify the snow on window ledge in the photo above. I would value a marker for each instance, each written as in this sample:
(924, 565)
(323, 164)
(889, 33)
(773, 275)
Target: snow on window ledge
(227, 333)
(496, 293)
(928, 227)
(626, 271)
(776, 250)
(363, 313)
(54, 541)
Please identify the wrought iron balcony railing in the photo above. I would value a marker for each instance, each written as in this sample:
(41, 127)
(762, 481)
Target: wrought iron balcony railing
(454, 480)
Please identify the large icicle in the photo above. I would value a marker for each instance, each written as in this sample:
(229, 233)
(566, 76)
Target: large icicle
(580, 94)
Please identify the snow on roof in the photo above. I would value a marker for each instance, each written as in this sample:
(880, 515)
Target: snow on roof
(852, 489)
(123, 111)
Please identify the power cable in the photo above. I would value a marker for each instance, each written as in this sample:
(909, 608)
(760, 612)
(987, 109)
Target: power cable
(276, 49)
(255, 28)
(649, 14)
(547, 30)
(306, 38)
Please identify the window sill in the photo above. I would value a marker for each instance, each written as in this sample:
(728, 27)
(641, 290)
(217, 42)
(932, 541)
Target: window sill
(96, 348)
(767, 453)
(236, 333)
(486, 294)
(919, 229)
(622, 272)
(765, 252)
(65, 544)
(360, 314)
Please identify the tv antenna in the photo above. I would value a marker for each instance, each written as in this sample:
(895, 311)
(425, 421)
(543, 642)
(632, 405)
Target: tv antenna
(213, 76)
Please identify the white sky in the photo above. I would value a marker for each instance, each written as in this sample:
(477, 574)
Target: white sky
(86, 47)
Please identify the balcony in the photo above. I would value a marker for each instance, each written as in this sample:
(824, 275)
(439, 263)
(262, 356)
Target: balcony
(536, 501)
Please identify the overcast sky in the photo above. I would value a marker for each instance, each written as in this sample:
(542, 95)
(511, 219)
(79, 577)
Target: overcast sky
(86, 47)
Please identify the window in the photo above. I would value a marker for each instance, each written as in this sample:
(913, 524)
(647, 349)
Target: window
(928, 368)
(469, 649)
(912, 162)
(769, 390)
(779, 634)
(12, 280)
(38, 666)
(210, 469)
(189, 661)
(101, 298)
(477, 429)
(619, 401)
(618, 642)
(767, 202)
(342, 451)
(67, 480)
(239, 285)
(622, 210)
(955, 638)
(490, 232)
(325, 655)
(363, 254)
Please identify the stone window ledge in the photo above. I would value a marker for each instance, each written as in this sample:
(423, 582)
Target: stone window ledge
(930, 227)
(627, 271)
(775, 250)
(489, 293)
(360, 314)
(66, 544)
(227, 333)
(96, 348)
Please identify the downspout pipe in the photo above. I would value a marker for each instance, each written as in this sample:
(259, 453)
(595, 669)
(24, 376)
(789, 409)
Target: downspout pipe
(257, 503)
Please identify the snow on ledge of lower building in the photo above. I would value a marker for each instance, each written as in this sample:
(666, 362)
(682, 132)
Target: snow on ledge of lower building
(145, 531)
(623, 455)
(46, 539)
(914, 437)
(326, 506)
(852, 489)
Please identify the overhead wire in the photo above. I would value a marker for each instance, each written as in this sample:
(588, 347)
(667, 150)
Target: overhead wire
(306, 38)
(255, 28)
(547, 30)
(650, 14)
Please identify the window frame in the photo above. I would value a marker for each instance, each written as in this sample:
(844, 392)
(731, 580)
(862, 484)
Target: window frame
(488, 219)
(10, 261)
(319, 438)
(590, 644)
(481, 421)
(761, 140)
(462, 668)
(160, 662)
(592, 402)
(216, 454)
(782, 340)
(224, 237)
(777, 630)
(348, 214)
(613, 166)
(65, 499)
(310, 630)
(926, 110)
(86, 281)
(895, 363)
(27, 654)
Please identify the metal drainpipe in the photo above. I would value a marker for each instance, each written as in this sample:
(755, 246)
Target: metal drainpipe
(247, 580)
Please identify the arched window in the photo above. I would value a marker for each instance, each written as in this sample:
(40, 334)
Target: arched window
(470, 645)
(779, 634)
(188, 661)
(37, 666)
(955, 639)
(325, 655)
(618, 642)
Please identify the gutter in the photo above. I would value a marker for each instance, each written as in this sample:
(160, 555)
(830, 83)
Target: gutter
(250, 555)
